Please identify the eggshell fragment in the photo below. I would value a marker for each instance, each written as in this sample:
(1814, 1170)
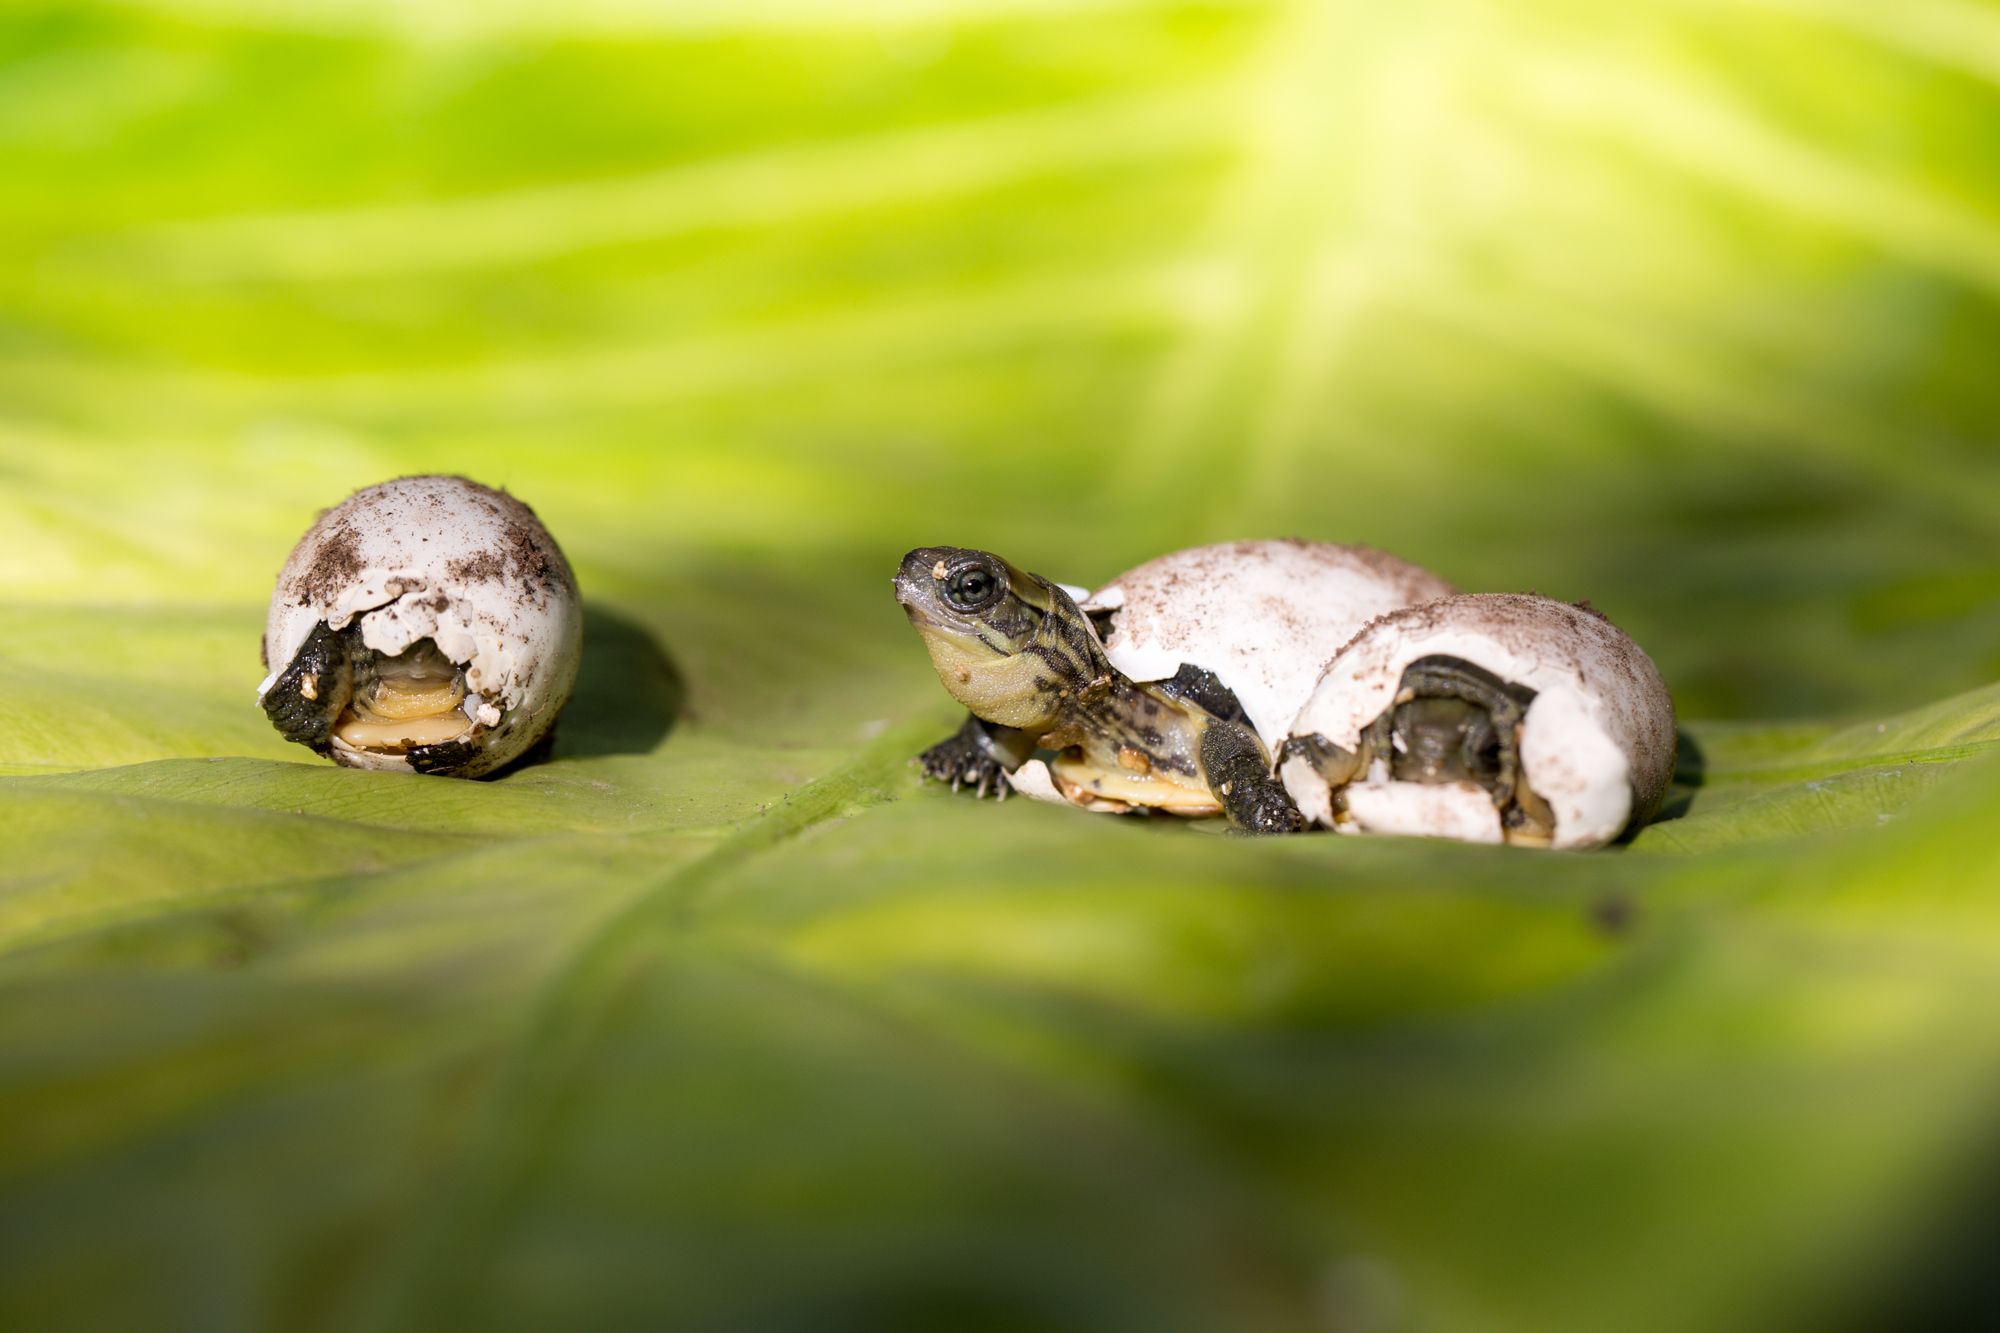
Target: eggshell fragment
(1034, 781)
(1447, 810)
(1597, 743)
(444, 559)
(1263, 616)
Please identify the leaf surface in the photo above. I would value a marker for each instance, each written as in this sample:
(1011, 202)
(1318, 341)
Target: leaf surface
(720, 1019)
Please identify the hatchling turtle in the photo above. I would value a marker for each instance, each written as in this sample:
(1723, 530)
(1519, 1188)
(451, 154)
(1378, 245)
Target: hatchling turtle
(1244, 628)
(1016, 650)
(1492, 717)
(427, 625)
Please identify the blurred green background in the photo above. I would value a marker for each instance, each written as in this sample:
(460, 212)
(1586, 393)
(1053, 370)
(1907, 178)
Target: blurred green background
(719, 1020)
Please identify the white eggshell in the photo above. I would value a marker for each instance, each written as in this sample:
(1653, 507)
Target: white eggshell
(1441, 810)
(1034, 781)
(1264, 616)
(1597, 743)
(470, 568)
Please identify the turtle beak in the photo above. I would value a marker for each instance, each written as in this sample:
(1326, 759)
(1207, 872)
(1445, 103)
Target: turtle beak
(919, 617)
(916, 583)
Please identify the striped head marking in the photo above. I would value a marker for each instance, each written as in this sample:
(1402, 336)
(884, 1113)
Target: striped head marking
(1007, 644)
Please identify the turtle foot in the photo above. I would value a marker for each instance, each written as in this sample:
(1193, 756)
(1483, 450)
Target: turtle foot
(966, 763)
(1271, 813)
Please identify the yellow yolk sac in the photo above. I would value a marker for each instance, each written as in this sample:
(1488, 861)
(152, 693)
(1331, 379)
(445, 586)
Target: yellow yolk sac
(405, 703)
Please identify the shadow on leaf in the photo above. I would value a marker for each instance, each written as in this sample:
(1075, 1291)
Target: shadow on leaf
(629, 693)
(1690, 775)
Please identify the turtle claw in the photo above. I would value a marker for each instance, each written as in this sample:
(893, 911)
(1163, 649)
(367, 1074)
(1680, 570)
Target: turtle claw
(964, 764)
(1277, 815)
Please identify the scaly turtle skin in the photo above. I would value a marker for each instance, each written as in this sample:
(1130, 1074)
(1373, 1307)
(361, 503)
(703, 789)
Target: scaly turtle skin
(306, 699)
(1015, 650)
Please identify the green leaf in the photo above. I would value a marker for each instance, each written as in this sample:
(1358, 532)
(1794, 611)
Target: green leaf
(720, 1019)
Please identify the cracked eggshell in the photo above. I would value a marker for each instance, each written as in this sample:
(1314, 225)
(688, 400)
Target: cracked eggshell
(1445, 810)
(466, 566)
(1034, 781)
(1597, 743)
(1264, 616)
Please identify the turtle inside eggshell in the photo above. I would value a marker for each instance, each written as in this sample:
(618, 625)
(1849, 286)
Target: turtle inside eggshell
(1488, 718)
(428, 624)
(1442, 758)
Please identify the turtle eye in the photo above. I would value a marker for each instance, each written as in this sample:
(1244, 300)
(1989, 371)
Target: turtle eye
(973, 588)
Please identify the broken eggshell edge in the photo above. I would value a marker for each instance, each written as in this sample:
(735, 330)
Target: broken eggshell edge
(1035, 781)
(1263, 616)
(444, 558)
(1597, 743)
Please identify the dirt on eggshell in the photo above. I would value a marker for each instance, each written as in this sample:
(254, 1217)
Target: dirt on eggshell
(443, 558)
(1263, 616)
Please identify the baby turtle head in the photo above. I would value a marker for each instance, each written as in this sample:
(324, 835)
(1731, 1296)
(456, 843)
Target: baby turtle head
(972, 593)
(1007, 644)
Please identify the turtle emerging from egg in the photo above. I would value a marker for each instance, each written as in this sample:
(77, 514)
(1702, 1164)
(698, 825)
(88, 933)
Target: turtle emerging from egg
(1015, 650)
(1392, 704)
(428, 625)
(1491, 717)
(1164, 690)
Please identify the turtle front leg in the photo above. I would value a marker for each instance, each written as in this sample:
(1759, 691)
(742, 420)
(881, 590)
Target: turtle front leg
(1237, 770)
(978, 755)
